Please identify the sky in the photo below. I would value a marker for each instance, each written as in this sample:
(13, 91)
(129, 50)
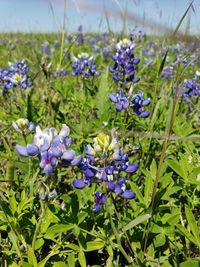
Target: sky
(154, 16)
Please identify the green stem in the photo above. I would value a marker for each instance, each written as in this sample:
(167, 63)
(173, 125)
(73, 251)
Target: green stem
(126, 256)
(162, 158)
(43, 206)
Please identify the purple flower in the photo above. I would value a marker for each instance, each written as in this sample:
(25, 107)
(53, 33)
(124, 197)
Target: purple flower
(167, 73)
(120, 99)
(48, 162)
(125, 63)
(120, 189)
(84, 66)
(100, 200)
(138, 103)
(191, 88)
(59, 73)
(50, 146)
(46, 50)
(15, 75)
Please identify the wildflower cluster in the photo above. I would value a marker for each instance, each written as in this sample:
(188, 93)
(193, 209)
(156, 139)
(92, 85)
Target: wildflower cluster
(191, 88)
(15, 75)
(105, 163)
(83, 66)
(125, 63)
(50, 146)
(124, 73)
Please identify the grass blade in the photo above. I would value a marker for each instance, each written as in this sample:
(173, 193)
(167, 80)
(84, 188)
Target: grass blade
(182, 18)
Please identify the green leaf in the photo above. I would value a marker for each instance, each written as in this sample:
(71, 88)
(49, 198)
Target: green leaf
(94, 245)
(192, 224)
(31, 257)
(57, 229)
(14, 240)
(72, 246)
(39, 243)
(71, 260)
(182, 230)
(136, 222)
(162, 63)
(25, 264)
(48, 219)
(60, 264)
(175, 166)
(81, 258)
(45, 260)
(148, 189)
(190, 263)
(159, 240)
(137, 191)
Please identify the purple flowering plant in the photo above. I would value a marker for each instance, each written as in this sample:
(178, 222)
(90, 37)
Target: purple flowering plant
(50, 147)
(105, 164)
(17, 75)
(124, 73)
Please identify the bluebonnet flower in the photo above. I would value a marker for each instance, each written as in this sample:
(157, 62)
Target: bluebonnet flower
(80, 39)
(191, 88)
(99, 199)
(59, 73)
(84, 66)
(124, 73)
(139, 102)
(167, 73)
(46, 49)
(103, 163)
(15, 75)
(49, 147)
(125, 63)
(23, 126)
(56, 44)
(120, 99)
(120, 189)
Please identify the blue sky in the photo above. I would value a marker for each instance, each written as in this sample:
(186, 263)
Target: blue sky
(47, 15)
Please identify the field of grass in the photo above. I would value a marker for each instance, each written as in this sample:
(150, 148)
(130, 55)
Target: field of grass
(99, 150)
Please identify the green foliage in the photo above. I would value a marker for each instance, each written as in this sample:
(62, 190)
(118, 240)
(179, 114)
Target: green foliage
(160, 227)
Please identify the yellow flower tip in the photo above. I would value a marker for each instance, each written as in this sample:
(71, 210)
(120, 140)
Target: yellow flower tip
(22, 122)
(83, 54)
(17, 78)
(101, 142)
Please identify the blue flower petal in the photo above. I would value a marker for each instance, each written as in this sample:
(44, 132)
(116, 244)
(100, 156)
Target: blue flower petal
(76, 161)
(32, 150)
(111, 186)
(22, 151)
(132, 168)
(96, 208)
(48, 169)
(129, 194)
(78, 183)
(145, 114)
(68, 155)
